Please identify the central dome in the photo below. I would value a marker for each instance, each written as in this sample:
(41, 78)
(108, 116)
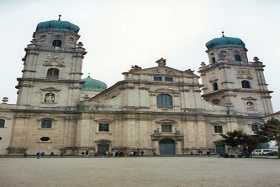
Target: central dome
(91, 84)
(57, 25)
(224, 41)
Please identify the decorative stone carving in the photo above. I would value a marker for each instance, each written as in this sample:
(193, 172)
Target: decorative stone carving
(54, 60)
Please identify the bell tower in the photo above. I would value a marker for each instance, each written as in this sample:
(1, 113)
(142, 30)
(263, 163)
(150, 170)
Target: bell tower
(52, 66)
(231, 80)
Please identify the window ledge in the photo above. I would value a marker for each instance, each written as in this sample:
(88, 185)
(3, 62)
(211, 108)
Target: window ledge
(45, 142)
(216, 134)
(45, 128)
(103, 132)
(162, 108)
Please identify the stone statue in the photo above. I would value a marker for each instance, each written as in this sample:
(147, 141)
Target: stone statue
(49, 98)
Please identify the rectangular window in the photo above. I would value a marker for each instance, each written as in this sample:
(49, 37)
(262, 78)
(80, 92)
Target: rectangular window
(218, 129)
(166, 128)
(46, 123)
(2, 123)
(157, 78)
(169, 79)
(103, 127)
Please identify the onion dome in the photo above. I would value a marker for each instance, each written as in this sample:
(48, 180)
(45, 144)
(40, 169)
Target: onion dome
(91, 84)
(57, 25)
(225, 41)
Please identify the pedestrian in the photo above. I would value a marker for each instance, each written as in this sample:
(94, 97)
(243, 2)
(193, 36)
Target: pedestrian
(38, 155)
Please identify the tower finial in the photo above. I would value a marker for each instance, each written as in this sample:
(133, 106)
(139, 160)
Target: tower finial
(223, 33)
(59, 17)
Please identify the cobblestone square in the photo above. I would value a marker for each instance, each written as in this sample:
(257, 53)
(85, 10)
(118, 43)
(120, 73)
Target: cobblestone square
(136, 172)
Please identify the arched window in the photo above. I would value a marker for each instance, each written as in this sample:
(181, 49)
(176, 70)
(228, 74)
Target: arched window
(245, 84)
(237, 58)
(49, 98)
(2, 123)
(215, 86)
(46, 123)
(52, 73)
(213, 60)
(164, 101)
(57, 43)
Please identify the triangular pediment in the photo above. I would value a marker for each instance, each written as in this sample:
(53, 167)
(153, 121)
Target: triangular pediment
(158, 70)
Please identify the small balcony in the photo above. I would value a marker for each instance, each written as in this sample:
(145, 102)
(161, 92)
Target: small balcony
(173, 134)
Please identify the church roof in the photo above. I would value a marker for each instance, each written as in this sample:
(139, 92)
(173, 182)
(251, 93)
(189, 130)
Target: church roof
(91, 84)
(224, 41)
(57, 25)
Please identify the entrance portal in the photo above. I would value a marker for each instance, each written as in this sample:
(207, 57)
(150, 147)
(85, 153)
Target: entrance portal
(102, 149)
(167, 147)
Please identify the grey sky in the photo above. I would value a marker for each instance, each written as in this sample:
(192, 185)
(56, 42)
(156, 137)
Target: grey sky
(121, 33)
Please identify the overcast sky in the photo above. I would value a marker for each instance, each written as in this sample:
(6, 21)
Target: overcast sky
(121, 33)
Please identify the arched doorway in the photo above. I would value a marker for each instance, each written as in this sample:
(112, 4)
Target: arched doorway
(103, 147)
(167, 147)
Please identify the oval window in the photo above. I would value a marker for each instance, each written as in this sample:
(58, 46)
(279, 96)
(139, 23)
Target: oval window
(0, 138)
(45, 139)
(250, 103)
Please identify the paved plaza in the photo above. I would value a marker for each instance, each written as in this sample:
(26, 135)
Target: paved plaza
(136, 172)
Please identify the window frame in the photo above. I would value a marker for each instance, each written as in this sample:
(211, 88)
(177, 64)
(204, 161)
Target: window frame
(157, 77)
(246, 84)
(215, 86)
(46, 126)
(169, 79)
(103, 129)
(52, 74)
(164, 101)
(166, 128)
(54, 42)
(218, 129)
(237, 58)
(2, 123)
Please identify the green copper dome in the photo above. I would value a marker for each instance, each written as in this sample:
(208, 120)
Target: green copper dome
(224, 41)
(93, 85)
(57, 25)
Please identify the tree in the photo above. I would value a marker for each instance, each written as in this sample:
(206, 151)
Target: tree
(271, 130)
(246, 143)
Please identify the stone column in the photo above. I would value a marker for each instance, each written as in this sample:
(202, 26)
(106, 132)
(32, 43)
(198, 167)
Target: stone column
(178, 147)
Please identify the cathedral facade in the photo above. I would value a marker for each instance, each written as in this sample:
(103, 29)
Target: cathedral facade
(153, 111)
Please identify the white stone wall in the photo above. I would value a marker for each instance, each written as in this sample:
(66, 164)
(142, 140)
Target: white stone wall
(5, 133)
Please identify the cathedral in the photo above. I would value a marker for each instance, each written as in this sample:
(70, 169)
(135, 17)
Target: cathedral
(153, 111)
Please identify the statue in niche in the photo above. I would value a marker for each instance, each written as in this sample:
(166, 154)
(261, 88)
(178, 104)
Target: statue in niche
(49, 98)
